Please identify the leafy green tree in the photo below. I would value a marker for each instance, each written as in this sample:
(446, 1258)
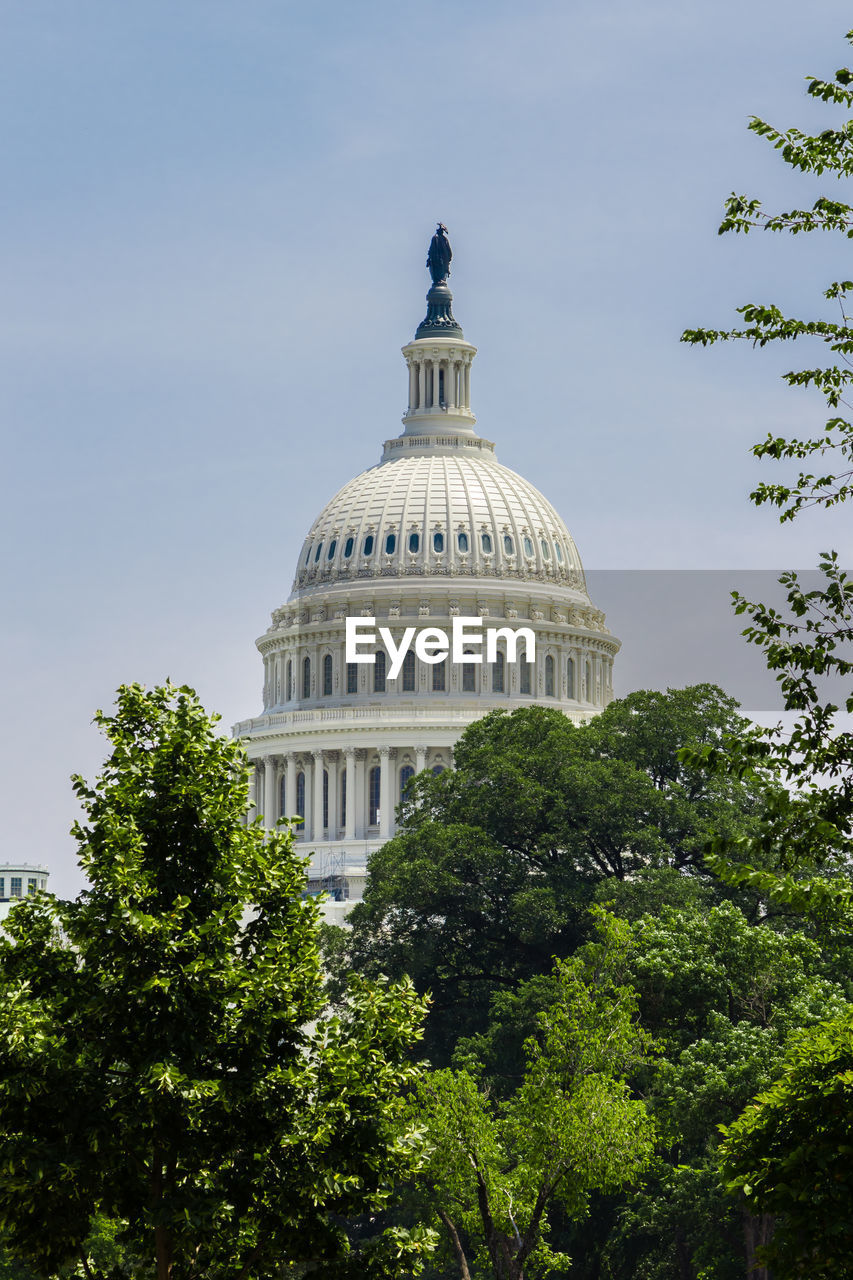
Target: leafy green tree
(166, 1061)
(791, 1155)
(499, 858)
(498, 1166)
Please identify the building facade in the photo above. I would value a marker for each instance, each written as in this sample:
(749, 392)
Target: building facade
(438, 530)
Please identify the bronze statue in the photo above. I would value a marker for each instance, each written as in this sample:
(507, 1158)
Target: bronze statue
(439, 255)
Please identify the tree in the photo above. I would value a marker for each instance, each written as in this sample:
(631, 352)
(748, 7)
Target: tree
(166, 1062)
(497, 1167)
(499, 858)
(774, 1154)
(789, 1154)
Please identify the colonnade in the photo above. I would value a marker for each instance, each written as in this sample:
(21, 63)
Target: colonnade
(426, 374)
(338, 797)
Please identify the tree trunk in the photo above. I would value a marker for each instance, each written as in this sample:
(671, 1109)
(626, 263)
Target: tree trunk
(456, 1243)
(682, 1254)
(756, 1232)
(164, 1253)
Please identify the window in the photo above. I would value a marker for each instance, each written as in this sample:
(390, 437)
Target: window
(509, 545)
(469, 676)
(14, 886)
(308, 555)
(373, 785)
(486, 543)
(343, 797)
(414, 542)
(326, 799)
(524, 674)
(288, 684)
(3, 888)
(528, 547)
(390, 544)
(333, 546)
(348, 547)
(300, 798)
(498, 674)
(559, 551)
(367, 549)
(549, 677)
(570, 677)
(282, 798)
(327, 675)
(306, 677)
(409, 672)
(462, 541)
(352, 677)
(439, 676)
(438, 542)
(437, 769)
(318, 552)
(379, 673)
(405, 773)
(546, 550)
(32, 886)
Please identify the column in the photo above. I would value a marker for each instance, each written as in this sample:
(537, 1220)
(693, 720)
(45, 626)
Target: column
(270, 814)
(413, 386)
(317, 807)
(422, 384)
(349, 825)
(466, 379)
(358, 796)
(450, 384)
(333, 765)
(385, 793)
(420, 759)
(290, 784)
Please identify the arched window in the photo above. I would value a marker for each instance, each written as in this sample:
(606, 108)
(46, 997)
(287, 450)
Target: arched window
(414, 542)
(409, 672)
(348, 548)
(549, 677)
(528, 547)
(333, 546)
(462, 541)
(559, 551)
(405, 773)
(327, 675)
(352, 677)
(498, 673)
(373, 785)
(318, 552)
(306, 677)
(325, 799)
(300, 798)
(570, 677)
(288, 683)
(546, 550)
(486, 543)
(343, 797)
(439, 676)
(469, 676)
(438, 541)
(524, 673)
(367, 549)
(509, 545)
(437, 769)
(379, 673)
(390, 544)
(308, 555)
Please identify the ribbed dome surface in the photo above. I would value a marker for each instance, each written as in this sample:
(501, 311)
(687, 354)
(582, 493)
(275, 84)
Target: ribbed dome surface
(438, 513)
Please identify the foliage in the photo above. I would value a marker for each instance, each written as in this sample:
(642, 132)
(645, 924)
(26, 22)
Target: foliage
(166, 1062)
(570, 1127)
(791, 1154)
(499, 858)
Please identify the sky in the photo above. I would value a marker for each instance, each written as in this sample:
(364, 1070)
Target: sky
(213, 226)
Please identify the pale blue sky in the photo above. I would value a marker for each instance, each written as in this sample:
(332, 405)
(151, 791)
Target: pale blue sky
(213, 224)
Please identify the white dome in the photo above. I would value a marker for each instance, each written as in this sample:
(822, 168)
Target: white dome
(436, 513)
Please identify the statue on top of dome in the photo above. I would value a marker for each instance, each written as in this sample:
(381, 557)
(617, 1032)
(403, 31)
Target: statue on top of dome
(439, 255)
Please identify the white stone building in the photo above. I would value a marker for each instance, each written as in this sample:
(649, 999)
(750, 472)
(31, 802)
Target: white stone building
(19, 880)
(437, 530)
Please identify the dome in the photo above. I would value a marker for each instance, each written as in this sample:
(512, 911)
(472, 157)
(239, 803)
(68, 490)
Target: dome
(442, 511)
